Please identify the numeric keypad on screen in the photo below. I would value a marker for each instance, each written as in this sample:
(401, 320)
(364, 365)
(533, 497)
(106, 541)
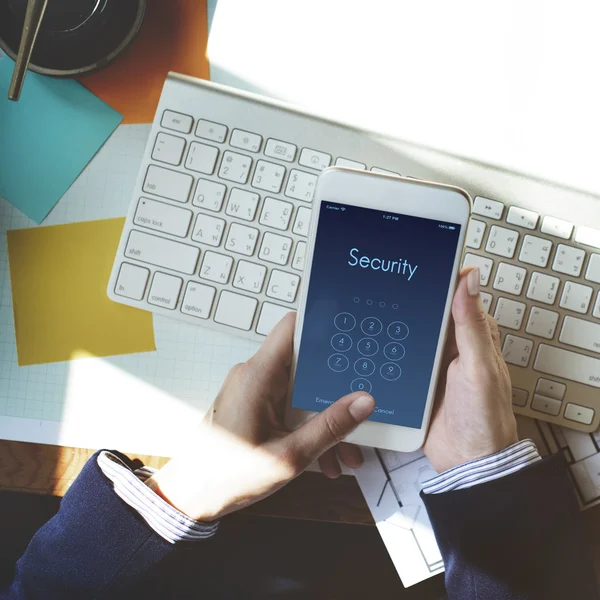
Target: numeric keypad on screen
(370, 348)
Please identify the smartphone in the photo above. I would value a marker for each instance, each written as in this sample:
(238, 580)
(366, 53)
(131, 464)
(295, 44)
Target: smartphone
(382, 262)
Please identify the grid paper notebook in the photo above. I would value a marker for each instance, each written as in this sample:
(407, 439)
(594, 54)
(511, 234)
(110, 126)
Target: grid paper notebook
(156, 394)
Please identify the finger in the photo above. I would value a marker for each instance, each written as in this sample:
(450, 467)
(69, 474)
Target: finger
(351, 455)
(472, 331)
(329, 464)
(328, 428)
(495, 333)
(451, 349)
(279, 344)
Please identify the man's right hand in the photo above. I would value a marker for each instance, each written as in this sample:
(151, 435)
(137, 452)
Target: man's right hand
(473, 414)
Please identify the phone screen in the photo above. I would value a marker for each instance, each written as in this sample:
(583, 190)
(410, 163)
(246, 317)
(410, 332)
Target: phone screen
(374, 310)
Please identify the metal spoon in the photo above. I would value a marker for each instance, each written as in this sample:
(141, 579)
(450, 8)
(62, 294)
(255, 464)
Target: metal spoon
(33, 19)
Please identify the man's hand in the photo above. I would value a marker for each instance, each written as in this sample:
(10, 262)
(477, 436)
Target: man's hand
(243, 452)
(473, 414)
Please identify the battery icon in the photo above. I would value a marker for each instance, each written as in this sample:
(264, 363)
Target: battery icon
(451, 227)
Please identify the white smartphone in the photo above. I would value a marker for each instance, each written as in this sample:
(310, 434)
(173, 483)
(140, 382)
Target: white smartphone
(382, 261)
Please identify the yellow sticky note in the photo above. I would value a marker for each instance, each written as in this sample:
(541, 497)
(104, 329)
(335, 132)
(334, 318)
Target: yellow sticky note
(59, 276)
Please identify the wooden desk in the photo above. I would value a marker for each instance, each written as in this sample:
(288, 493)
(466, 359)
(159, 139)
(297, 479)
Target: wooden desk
(42, 469)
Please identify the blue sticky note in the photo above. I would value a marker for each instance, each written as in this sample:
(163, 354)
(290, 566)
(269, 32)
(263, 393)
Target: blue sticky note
(47, 138)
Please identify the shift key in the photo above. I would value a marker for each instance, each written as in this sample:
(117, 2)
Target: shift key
(569, 365)
(161, 252)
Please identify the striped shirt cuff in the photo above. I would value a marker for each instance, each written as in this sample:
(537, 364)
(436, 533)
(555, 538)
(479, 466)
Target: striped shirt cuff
(512, 459)
(171, 524)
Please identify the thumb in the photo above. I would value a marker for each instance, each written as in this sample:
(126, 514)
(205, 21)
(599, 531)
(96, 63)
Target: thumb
(471, 329)
(328, 428)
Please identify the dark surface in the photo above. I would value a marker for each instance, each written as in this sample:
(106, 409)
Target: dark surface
(75, 36)
(346, 561)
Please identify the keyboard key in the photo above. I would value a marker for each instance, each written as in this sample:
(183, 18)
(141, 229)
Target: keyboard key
(276, 213)
(209, 195)
(596, 312)
(162, 217)
(314, 159)
(509, 278)
(580, 333)
(299, 255)
(557, 227)
(546, 405)
(568, 365)
(485, 266)
(270, 315)
(502, 241)
(244, 140)
(235, 167)
(522, 217)
(211, 131)
(242, 239)
(275, 248)
(593, 269)
(168, 148)
(167, 183)
(281, 150)
(201, 158)
(302, 222)
(588, 236)
(550, 389)
(579, 414)
(208, 230)
(509, 313)
(350, 164)
(475, 233)
(132, 281)
(519, 397)
(268, 176)
(535, 251)
(283, 286)
(301, 185)
(517, 350)
(249, 276)
(176, 121)
(486, 300)
(242, 204)
(542, 322)
(543, 288)
(165, 290)
(162, 252)
(568, 260)
(216, 267)
(198, 300)
(576, 297)
(488, 208)
(236, 310)
(384, 172)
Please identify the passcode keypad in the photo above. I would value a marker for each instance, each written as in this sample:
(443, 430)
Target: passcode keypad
(368, 349)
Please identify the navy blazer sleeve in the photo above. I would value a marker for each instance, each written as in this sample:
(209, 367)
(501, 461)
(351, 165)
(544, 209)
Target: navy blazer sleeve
(96, 546)
(518, 537)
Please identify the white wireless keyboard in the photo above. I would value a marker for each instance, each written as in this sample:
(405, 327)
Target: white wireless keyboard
(216, 236)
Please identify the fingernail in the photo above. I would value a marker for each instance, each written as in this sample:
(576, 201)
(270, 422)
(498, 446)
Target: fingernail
(362, 407)
(473, 282)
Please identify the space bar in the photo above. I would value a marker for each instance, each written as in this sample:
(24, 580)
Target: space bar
(570, 365)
